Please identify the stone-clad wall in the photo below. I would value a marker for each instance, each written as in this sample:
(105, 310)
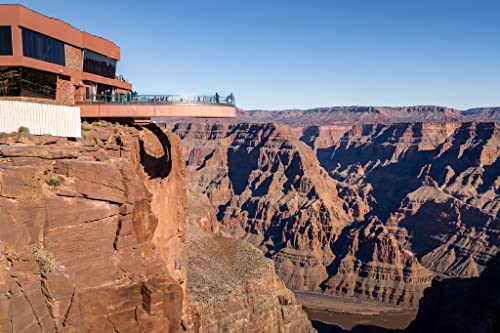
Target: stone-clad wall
(66, 86)
(74, 57)
(65, 93)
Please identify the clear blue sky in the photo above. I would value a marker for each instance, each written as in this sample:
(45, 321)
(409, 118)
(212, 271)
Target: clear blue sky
(298, 54)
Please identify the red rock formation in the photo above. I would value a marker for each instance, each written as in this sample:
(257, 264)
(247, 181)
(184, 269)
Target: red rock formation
(431, 187)
(435, 185)
(91, 232)
(371, 264)
(272, 192)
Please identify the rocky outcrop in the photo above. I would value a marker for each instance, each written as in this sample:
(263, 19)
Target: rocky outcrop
(371, 264)
(92, 232)
(462, 305)
(233, 287)
(386, 208)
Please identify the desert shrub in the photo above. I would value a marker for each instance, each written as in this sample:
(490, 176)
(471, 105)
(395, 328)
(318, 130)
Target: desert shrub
(54, 182)
(86, 126)
(44, 259)
(101, 123)
(23, 129)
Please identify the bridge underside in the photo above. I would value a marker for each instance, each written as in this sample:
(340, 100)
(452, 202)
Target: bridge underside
(145, 112)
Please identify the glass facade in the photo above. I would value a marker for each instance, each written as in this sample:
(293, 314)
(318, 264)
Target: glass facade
(27, 82)
(98, 64)
(5, 40)
(42, 47)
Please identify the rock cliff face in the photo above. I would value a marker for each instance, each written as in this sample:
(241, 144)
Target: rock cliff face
(92, 232)
(386, 208)
(371, 263)
(270, 191)
(434, 185)
(232, 286)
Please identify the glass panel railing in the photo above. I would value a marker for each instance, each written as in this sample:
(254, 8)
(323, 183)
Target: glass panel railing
(156, 99)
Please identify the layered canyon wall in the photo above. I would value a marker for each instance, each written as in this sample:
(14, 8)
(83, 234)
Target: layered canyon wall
(370, 211)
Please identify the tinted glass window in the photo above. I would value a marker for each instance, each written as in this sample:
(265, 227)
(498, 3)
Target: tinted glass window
(98, 64)
(36, 83)
(43, 48)
(5, 40)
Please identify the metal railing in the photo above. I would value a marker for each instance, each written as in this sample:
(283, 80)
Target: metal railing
(156, 99)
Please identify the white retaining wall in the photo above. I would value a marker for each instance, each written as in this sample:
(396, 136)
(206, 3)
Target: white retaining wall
(40, 119)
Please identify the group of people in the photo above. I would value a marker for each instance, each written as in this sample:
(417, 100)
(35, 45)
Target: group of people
(229, 98)
(215, 99)
(160, 99)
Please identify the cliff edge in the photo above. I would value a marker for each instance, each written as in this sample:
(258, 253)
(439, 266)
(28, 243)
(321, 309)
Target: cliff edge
(92, 232)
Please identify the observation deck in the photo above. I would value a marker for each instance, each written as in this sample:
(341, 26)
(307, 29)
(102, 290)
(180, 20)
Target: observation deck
(142, 108)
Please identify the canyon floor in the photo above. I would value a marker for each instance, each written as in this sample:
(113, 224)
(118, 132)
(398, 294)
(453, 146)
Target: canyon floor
(348, 312)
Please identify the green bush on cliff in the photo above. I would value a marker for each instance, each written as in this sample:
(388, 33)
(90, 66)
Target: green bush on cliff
(54, 182)
(23, 129)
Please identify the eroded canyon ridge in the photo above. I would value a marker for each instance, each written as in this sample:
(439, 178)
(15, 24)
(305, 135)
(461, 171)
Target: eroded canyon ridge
(369, 202)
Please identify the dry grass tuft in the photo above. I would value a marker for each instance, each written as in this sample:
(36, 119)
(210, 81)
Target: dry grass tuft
(44, 259)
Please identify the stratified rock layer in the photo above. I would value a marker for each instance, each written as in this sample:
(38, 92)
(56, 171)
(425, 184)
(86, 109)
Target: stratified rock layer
(434, 185)
(372, 264)
(91, 232)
